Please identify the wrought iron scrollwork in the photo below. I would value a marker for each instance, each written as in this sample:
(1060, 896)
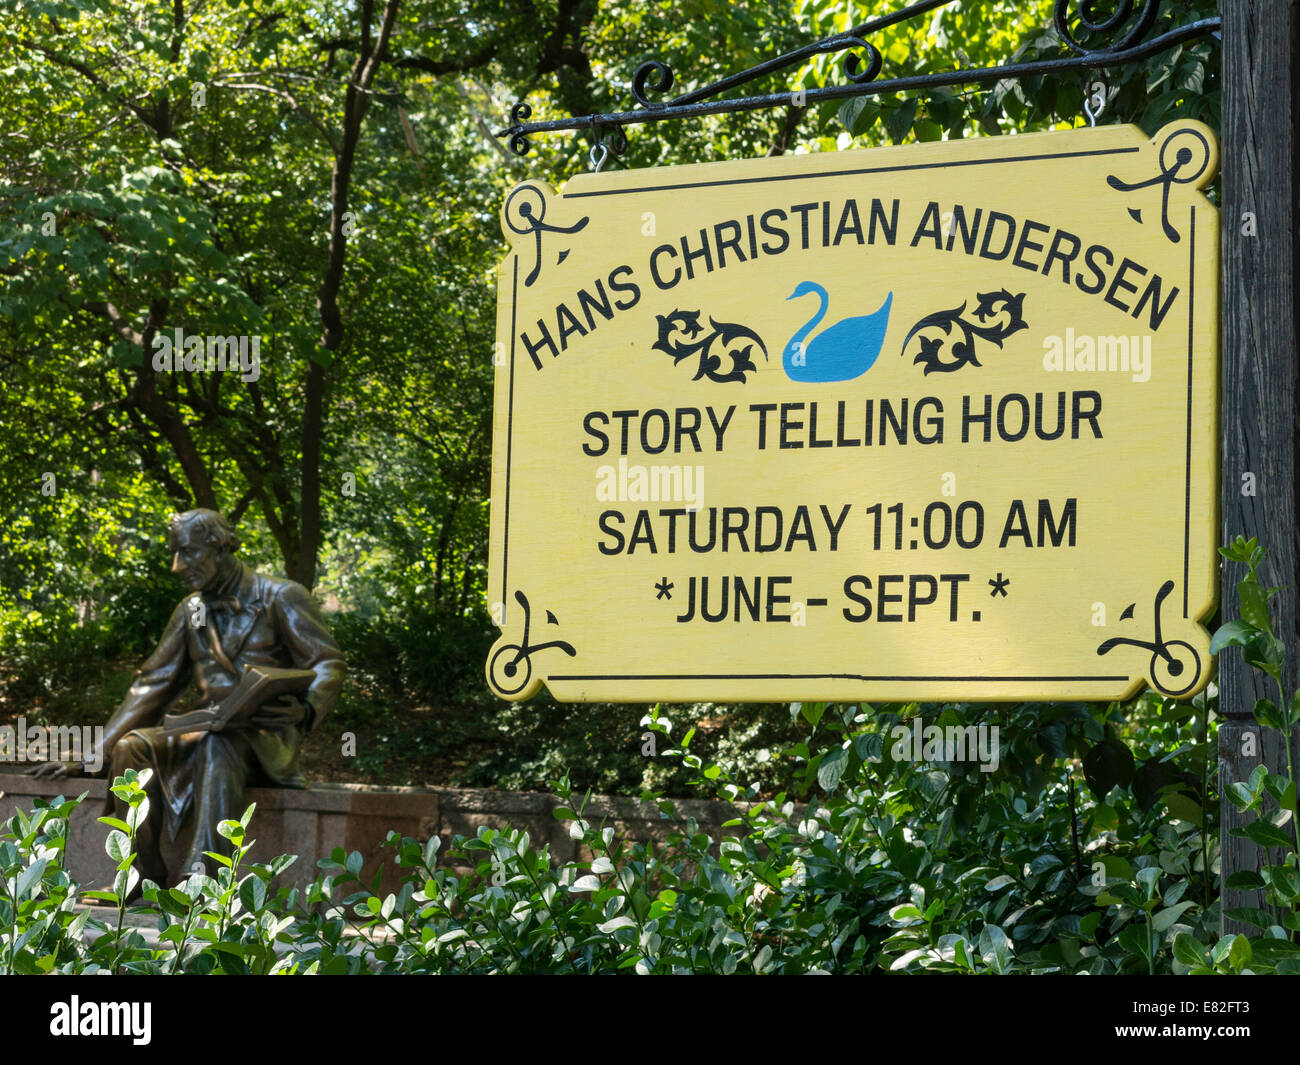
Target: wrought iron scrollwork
(663, 75)
(851, 61)
(1127, 23)
(1090, 21)
(519, 114)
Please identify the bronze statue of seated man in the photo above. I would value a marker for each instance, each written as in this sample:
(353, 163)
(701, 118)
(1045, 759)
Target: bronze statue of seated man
(235, 630)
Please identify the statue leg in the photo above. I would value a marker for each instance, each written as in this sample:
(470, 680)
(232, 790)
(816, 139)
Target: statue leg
(133, 751)
(220, 768)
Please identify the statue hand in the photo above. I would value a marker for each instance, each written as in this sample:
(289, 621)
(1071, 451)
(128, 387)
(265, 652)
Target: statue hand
(288, 711)
(54, 771)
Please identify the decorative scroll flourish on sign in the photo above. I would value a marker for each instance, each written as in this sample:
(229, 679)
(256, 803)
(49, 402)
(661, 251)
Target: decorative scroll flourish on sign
(1175, 666)
(511, 668)
(679, 336)
(525, 213)
(1181, 167)
(990, 305)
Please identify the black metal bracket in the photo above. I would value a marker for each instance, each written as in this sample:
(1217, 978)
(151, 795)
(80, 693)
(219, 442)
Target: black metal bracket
(1129, 46)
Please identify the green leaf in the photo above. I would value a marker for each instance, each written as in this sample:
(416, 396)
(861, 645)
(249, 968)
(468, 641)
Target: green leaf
(1266, 835)
(831, 769)
(857, 115)
(1265, 652)
(1190, 951)
(898, 120)
(1249, 915)
(1254, 605)
(117, 845)
(1235, 633)
(1182, 807)
(1148, 877)
(1268, 715)
(812, 712)
(30, 875)
(1273, 950)
(927, 129)
(1135, 941)
(234, 949)
(995, 948)
(252, 893)
(125, 881)
(173, 901)
(1286, 882)
(1239, 953)
(1240, 795)
(282, 862)
(1166, 917)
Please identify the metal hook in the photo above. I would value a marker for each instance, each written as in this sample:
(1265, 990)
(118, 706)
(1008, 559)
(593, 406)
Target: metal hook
(1087, 101)
(599, 149)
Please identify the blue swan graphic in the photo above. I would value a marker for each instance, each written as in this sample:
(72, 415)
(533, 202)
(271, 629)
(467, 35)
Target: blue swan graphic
(839, 352)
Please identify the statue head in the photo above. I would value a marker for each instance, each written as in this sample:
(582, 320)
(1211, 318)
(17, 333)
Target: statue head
(201, 543)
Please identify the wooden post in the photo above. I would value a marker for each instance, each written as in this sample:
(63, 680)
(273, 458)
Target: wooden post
(1259, 153)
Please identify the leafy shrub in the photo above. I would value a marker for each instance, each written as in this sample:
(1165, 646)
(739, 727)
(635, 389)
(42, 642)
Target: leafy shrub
(1092, 846)
(872, 874)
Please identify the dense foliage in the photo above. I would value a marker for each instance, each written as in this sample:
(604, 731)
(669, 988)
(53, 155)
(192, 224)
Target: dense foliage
(892, 864)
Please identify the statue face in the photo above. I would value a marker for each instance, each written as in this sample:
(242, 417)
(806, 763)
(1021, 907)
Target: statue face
(194, 560)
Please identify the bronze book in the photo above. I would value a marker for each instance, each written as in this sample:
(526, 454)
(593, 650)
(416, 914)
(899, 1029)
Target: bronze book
(257, 687)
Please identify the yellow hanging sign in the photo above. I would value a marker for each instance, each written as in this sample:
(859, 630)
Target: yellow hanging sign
(935, 422)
